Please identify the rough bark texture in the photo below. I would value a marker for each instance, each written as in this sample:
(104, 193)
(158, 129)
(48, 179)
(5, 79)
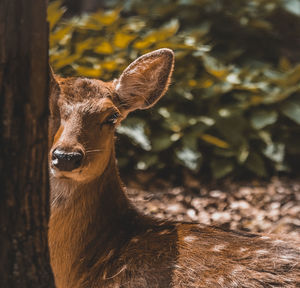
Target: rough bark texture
(24, 192)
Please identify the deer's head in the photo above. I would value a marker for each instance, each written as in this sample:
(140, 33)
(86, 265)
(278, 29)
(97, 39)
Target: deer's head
(84, 113)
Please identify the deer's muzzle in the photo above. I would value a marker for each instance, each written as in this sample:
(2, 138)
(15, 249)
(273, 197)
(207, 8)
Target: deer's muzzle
(66, 161)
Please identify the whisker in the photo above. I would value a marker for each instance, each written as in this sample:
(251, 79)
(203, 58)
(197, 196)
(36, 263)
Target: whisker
(94, 151)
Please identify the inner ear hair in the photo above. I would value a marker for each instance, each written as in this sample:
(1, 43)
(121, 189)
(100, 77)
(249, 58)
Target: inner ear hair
(145, 80)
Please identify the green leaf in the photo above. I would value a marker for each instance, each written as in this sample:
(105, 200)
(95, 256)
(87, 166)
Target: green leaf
(190, 139)
(256, 164)
(215, 68)
(232, 129)
(122, 40)
(136, 131)
(161, 34)
(292, 6)
(61, 35)
(291, 109)
(260, 118)
(104, 47)
(93, 72)
(176, 121)
(146, 161)
(275, 152)
(106, 17)
(214, 141)
(221, 167)
(190, 158)
(292, 145)
(161, 142)
(243, 153)
(54, 13)
(291, 78)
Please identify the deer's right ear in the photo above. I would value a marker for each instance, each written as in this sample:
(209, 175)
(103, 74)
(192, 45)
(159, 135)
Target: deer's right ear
(144, 81)
(54, 91)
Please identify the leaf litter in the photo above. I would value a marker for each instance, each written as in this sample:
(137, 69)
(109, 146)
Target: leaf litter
(256, 206)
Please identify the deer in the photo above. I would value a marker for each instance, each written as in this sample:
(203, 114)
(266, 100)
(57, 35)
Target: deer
(98, 238)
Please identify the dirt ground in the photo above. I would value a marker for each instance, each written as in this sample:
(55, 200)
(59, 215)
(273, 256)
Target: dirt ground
(256, 206)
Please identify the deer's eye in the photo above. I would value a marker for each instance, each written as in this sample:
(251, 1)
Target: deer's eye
(112, 119)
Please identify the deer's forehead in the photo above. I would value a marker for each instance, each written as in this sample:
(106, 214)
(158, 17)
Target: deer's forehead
(87, 108)
(81, 89)
(85, 96)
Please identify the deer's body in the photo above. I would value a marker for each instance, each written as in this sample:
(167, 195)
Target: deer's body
(98, 239)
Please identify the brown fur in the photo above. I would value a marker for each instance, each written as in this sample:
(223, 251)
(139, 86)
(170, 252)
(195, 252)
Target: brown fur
(98, 239)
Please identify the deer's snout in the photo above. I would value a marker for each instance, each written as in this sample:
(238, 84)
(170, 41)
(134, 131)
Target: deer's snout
(65, 160)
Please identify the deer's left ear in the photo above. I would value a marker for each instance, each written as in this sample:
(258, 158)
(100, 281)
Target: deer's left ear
(54, 91)
(145, 80)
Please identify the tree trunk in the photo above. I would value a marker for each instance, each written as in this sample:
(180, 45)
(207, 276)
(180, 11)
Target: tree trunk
(24, 189)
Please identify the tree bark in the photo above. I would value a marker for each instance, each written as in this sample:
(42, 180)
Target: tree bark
(24, 189)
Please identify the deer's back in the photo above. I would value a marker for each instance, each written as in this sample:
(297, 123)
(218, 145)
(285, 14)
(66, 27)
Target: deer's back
(192, 255)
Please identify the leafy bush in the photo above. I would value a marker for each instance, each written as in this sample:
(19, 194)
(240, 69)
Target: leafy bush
(233, 106)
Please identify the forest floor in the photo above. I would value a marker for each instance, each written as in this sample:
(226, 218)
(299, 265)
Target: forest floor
(256, 206)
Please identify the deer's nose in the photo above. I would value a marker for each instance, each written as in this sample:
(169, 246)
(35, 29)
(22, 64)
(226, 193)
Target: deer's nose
(66, 161)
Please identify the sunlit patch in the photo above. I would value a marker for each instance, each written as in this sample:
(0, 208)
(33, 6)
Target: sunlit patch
(221, 280)
(265, 238)
(287, 257)
(53, 172)
(135, 240)
(236, 271)
(190, 238)
(218, 248)
(261, 252)
(164, 232)
(278, 242)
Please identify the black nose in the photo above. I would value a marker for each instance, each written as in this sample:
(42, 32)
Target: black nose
(66, 161)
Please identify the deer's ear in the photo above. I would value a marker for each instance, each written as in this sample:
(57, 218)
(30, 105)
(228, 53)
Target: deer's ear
(145, 80)
(54, 91)
(51, 75)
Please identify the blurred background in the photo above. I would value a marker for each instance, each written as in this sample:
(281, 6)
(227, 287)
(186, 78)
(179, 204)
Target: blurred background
(233, 108)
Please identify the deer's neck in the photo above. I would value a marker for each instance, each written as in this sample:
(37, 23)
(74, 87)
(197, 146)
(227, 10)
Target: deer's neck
(88, 221)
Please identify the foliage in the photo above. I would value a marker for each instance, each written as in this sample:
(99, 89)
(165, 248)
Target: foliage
(233, 106)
